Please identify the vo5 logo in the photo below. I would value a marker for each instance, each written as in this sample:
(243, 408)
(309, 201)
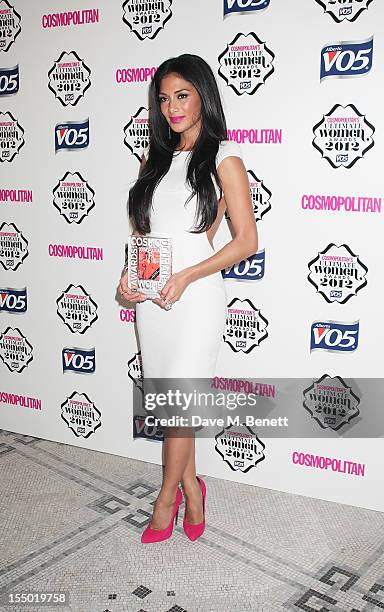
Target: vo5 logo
(237, 6)
(72, 135)
(334, 336)
(80, 361)
(252, 268)
(9, 80)
(13, 300)
(346, 59)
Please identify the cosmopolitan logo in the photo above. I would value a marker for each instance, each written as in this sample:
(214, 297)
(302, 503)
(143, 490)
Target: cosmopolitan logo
(9, 25)
(340, 9)
(79, 361)
(240, 385)
(337, 273)
(320, 462)
(243, 6)
(346, 59)
(9, 81)
(72, 135)
(256, 136)
(136, 133)
(13, 301)
(343, 136)
(69, 18)
(80, 414)
(75, 251)
(334, 336)
(134, 75)
(364, 204)
(25, 401)
(16, 195)
(128, 315)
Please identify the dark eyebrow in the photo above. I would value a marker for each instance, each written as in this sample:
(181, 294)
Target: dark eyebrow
(178, 91)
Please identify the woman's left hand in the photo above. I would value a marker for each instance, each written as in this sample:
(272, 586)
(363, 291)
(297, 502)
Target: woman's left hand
(173, 288)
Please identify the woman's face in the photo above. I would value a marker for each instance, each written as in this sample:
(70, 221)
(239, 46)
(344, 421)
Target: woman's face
(180, 104)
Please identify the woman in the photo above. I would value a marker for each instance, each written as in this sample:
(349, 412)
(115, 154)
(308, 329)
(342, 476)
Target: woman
(188, 176)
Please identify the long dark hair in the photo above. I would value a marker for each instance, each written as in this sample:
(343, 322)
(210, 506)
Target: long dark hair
(201, 164)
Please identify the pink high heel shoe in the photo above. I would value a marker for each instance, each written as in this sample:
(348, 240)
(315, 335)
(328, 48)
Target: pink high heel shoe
(195, 531)
(150, 535)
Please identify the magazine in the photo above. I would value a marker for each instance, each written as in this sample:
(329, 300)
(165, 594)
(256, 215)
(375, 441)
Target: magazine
(149, 264)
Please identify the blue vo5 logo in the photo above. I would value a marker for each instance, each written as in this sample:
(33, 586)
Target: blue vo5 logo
(72, 135)
(251, 268)
(80, 361)
(149, 432)
(9, 81)
(334, 336)
(240, 6)
(346, 59)
(13, 300)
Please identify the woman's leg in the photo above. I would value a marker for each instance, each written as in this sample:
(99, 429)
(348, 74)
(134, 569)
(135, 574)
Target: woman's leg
(192, 490)
(177, 449)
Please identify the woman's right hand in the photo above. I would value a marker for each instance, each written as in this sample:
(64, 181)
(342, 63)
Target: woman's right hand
(127, 293)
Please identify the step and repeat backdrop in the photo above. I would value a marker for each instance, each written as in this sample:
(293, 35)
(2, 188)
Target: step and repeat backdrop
(301, 84)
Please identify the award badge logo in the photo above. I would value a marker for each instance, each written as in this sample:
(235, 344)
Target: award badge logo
(135, 370)
(149, 263)
(80, 414)
(334, 336)
(76, 309)
(240, 447)
(252, 268)
(245, 326)
(13, 246)
(69, 78)
(13, 301)
(346, 59)
(72, 135)
(136, 133)
(78, 361)
(15, 350)
(11, 137)
(73, 197)
(9, 81)
(9, 25)
(244, 6)
(337, 273)
(146, 19)
(341, 10)
(343, 136)
(246, 63)
(331, 402)
(260, 196)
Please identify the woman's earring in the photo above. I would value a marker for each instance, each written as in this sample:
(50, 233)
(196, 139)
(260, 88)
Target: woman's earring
(169, 132)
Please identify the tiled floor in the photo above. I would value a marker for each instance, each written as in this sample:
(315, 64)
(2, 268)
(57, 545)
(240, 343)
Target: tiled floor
(71, 521)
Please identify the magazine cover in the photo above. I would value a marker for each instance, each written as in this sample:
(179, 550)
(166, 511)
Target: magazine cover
(149, 263)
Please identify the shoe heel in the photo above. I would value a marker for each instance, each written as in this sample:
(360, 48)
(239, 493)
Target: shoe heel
(177, 516)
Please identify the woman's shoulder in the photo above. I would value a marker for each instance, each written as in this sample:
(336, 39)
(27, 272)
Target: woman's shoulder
(228, 148)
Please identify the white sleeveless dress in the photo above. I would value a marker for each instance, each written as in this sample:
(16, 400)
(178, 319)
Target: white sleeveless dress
(183, 342)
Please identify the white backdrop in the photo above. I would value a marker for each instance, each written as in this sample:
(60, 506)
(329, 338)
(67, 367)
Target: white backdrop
(97, 121)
